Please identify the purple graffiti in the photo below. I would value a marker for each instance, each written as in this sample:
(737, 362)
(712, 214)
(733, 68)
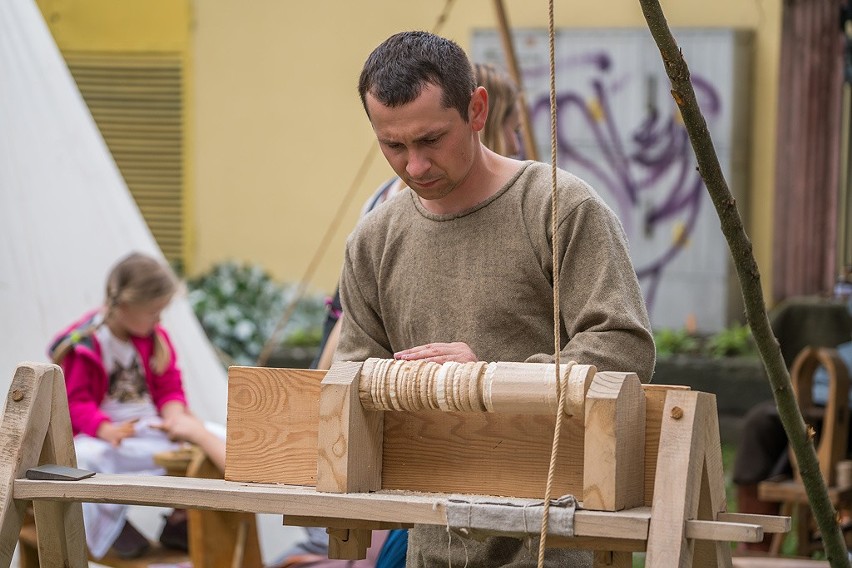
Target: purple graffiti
(651, 170)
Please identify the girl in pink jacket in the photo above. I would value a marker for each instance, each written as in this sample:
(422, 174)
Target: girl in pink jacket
(123, 388)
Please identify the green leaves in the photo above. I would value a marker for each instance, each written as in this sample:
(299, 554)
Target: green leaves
(239, 306)
(734, 341)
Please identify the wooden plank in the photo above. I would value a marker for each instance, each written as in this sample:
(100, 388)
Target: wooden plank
(775, 562)
(62, 538)
(770, 523)
(655, 398)
(300, 521)
(605, 544)
(605, 523)
(272, 425)
(613, 461)
(454, 452)
(712, 500)
(349, 439)
(678, 480)
(723, 532)
(386, 506)
(25, 423)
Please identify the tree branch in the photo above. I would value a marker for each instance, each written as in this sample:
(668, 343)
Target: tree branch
(749, 277)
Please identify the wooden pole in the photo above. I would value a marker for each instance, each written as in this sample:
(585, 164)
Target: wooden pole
(512, 64)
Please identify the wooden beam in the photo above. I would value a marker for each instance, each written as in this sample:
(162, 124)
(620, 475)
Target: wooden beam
(770, 523)
(711, 497)
(726, 532)
(350, 438)
(25, 424)
(300, 521)
(395, 507)
(678, 479)
(655, 399)
(62, 539)
(615, 443)
(612, 559)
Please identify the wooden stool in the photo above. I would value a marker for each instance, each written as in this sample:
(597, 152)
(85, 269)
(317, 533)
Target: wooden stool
(830, 451)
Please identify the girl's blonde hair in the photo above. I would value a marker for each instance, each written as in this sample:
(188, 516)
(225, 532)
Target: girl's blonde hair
(135, 280)
(502, 102)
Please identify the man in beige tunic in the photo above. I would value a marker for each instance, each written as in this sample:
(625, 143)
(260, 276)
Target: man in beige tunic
(459, 266)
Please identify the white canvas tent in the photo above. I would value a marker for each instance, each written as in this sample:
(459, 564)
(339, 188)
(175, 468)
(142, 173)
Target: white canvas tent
(66, 215)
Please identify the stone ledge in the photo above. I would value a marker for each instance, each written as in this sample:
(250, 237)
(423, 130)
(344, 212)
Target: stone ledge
(739, 383)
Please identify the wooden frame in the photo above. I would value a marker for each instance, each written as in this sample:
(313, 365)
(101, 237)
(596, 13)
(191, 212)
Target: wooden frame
(831, 449)
(685, 524)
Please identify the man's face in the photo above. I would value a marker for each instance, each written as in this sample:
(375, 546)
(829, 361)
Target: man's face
(429, 146)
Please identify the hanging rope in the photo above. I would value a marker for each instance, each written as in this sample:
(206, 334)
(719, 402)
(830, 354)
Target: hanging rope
(554, 216)
(342, 208)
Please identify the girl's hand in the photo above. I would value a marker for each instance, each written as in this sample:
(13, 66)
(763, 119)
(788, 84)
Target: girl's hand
(173, 410)
(115, 433)
(182, 427)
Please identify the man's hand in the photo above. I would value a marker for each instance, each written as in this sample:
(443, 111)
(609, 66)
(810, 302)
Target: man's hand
(115, 433)
(457, 352)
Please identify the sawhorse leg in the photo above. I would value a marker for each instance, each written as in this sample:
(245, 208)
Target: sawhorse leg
(36, 429)
(689, 483)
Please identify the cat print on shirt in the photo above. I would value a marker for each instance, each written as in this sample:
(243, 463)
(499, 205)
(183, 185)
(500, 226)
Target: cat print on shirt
(127, 384)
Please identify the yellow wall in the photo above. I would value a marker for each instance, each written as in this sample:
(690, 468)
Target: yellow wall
(281, 134)
(275, 130)
(107, 25)
(136, 27)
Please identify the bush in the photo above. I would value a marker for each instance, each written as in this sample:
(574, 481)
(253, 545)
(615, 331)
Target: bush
(734, 341)
(239, 306)
(674, 342)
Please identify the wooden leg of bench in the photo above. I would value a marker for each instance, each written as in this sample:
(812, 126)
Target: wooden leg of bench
(28, 546)
(61, 536)
(25, 423)
(689, 483)
(348, 544)
(613, 559)
(220, 539)
(712, 499)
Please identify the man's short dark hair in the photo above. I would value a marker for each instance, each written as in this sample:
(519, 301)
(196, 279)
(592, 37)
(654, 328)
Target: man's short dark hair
(397, 70)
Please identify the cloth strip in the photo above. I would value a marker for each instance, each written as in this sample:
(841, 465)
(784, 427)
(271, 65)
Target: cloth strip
(479, 518)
